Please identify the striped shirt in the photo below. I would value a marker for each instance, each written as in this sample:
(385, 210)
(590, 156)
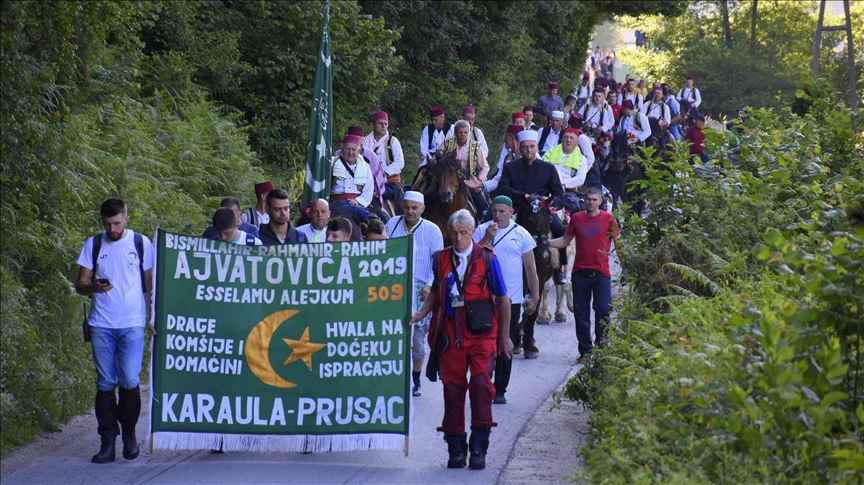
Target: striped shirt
(427, 240)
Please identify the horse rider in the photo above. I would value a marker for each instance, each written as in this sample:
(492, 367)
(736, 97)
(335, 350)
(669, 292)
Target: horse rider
(689, 98)
(551, 135)
(469, 114)
(472, 162)
(529, 178)
(433, 135)
(351, 192)
(379, 179)
(389, 151)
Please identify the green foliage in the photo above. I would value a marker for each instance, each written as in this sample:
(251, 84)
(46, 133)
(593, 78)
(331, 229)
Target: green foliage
(737, 357)
(74, 131)
(693, 43)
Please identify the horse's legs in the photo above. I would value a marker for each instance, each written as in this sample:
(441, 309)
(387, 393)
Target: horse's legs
(545, 312)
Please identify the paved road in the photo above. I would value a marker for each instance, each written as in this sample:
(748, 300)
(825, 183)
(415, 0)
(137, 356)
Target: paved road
(63, 457)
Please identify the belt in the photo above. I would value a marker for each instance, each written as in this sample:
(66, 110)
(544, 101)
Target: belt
(344, 196)
(395, 178)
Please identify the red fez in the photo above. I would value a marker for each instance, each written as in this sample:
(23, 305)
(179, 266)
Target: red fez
(553, 85)
(572, 130)
(627, 103)
(689, 77)
(514, 129)
(352, 139)
(585, 76)
(435, 110)
(356, 130)
(263, 187)
(657, 86)
(575, 120)
(528, 108)
(518, 115)
(380, 115)
(469, 110)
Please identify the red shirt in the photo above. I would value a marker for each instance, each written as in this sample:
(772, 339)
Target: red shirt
(593, 240)
(696, 137)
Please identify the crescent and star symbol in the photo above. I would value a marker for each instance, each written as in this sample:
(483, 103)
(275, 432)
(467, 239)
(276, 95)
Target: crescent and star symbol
(257, 349)
(302, 349)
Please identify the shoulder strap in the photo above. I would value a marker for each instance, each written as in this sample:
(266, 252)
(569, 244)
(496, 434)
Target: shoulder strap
(97, 246)
(389, 147)
(487, 261)
(430, 129)
(139, 248)
(395, 226)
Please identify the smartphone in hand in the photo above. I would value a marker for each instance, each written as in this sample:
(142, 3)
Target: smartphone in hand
(102, 281)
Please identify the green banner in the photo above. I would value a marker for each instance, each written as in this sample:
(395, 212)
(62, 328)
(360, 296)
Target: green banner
(301, 347)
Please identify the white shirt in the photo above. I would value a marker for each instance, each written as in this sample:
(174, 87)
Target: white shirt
(510, 244)
(312, 234)
(638, 102)
(347, 185)
(123, 305)
(627, 125)
(591, 115)
(437, 140)
(551, 140)
(463, 259)
(658, 110)
(241, 239)
(481, 139)
(427, 240)
(262, 218)
(686, 94)
(379, 147)
(586, 146)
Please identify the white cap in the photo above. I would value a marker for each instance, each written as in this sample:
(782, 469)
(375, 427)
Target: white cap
(414, 196)
(528, 135)
(558, 114)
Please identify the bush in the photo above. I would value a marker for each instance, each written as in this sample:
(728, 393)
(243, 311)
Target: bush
(737, 357)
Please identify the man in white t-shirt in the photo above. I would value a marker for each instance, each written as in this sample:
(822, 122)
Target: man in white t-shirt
(319, 214)
(225, 223)
(116, 270)
(427, 241)
(514, 248)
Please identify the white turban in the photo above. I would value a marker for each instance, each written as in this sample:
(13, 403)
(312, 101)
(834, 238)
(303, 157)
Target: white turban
(414, 196)
(527, 135)
(558, 114)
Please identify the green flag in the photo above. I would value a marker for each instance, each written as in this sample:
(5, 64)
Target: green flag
(319, 151)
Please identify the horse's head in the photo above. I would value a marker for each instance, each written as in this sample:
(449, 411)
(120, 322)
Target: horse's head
(446, 171)
(534, 217)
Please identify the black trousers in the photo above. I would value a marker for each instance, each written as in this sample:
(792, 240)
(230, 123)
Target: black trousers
(503, 365)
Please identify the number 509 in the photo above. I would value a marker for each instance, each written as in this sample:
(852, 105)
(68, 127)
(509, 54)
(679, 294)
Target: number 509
(384, 293)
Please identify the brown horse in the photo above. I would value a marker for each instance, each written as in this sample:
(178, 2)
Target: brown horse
(534, 218)
(444, 191)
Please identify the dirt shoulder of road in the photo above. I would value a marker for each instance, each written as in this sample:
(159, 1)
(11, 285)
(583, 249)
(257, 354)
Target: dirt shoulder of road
(548, 449)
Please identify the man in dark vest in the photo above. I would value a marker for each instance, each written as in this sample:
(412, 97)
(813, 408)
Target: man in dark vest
(433, 134)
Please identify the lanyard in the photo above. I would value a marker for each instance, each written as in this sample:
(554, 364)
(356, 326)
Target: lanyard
(456, 273)
(495, 243)
(411, 231)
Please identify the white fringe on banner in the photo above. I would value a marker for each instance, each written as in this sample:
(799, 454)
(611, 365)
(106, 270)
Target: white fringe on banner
(171, 440)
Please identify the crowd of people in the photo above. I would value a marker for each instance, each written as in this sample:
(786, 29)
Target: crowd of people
(467, 297)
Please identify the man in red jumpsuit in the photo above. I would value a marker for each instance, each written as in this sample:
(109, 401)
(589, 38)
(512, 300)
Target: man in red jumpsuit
(469, 327)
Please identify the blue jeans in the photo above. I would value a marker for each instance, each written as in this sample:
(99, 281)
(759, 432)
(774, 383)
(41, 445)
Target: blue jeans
(117, 353)
(584, 288)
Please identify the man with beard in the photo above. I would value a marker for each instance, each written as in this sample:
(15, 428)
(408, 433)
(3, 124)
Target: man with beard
(116, 271)
(279, 229)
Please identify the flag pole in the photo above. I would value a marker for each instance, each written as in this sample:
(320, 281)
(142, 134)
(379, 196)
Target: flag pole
(319, 150)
